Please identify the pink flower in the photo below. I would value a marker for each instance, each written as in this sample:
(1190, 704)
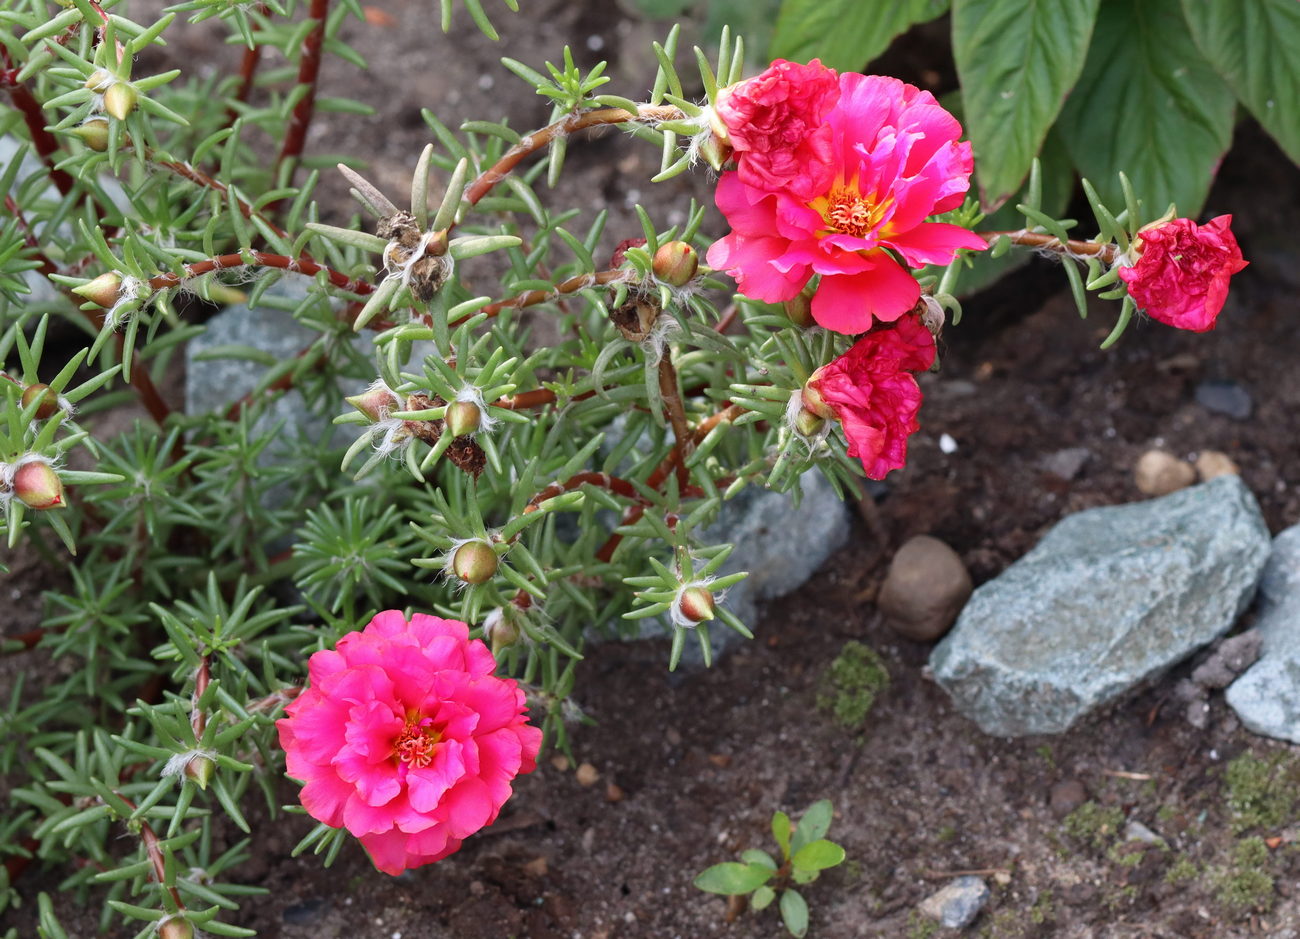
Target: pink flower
(1181, 274)
(776, 125)
(406, 738)
(893, 161)
(871, 391)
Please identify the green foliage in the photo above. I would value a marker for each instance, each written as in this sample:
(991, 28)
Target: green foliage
(851, 685)
(1094, 825)
(1145, 88)
(804, 854)
(1261, 793)
(1246, 884)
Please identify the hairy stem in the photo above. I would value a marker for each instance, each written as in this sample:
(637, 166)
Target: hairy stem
(1102, 251)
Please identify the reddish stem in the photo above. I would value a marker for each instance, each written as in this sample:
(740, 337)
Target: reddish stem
(45, 143)
(308, 74)
(299, 265)
(29, 237)
(616, 485)
(1102, 251)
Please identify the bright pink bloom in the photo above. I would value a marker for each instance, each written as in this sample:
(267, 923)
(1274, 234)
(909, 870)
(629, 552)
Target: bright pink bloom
(894, 160)
(776, 125)
(406, 738)
(1181, 276)
(871, 391)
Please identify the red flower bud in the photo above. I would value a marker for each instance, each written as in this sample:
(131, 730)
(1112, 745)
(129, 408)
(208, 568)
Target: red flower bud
(49, 405)
(374, 403)
(104, 290)
(463, 417)
(675, 263)
(474, 562)
(696, 604)
(37, 486)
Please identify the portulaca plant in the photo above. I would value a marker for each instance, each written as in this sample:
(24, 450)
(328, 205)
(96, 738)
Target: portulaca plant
(501, 499)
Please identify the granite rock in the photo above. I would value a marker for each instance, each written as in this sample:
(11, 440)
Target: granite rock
(1110, 598)
(957, 904)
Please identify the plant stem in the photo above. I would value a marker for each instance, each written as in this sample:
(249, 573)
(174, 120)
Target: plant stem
(1102, 251)
(676, 415)
(308, 74)
(533, 297)
(298, 265)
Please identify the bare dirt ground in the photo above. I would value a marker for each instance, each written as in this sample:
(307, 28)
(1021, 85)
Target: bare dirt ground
(692, 766)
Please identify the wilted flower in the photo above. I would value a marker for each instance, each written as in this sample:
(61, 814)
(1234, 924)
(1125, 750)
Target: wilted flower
(889, 161)
(1180, 275)
(406, 738)
(871, 391)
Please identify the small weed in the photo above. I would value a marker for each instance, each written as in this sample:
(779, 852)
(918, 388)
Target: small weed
(1126, 854)
(1042, 912)
(1045, 753)
(920, 927)
(1182, 870)
(852, 683)
(1260, 793)
(1094, 825)
(946, 834)
(1247, 884)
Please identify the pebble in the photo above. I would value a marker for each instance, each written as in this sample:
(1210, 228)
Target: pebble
(560, 762)
(1212, 463)
(306, 912)
(926, 587)
(1066, 796)
(1066, 463)
(613, 793)
(587, 775)
(1136, 831)
(956, 905)
(1159, 473)
(1225, 397)
(537, 867)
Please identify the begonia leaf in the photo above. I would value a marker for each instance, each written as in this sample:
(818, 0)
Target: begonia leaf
(846, 34)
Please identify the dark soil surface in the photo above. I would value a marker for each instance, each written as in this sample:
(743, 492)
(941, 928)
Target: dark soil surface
(691, 766)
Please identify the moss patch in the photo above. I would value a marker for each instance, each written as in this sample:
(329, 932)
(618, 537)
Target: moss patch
(1247, 884)
(1094, 825)
(852, 684)
(1261, 793)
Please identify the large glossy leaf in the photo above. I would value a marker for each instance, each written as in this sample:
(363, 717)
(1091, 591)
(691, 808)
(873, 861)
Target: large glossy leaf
(1148, 103)
(1255, 45)
(846, 34)
(1016, 59)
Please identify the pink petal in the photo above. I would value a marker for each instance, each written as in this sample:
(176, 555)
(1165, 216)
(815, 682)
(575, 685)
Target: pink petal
(846, 303)
(934, 243)
(425, 786)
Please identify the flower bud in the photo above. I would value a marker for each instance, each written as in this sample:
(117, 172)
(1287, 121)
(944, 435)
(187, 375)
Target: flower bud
(675, 263)
(501, 633)
(716, 123)
(105, 290)
(374, 403)
(175, 928)
(799, 309)
(100, 80)
(200, 769)
(463, 417)
(119, 100)
(813, 400)
(49, 405)
(807, 423)
(37, 486)
(696, 604)
(714, 151)
(474, 562)
(94, 134)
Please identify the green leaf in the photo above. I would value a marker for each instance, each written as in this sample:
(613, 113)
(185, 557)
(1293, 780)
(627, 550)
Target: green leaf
(794, 911)
(814, 824)
(1148, 103)
(1253, 46)
(731, 878)
(762, 898)
(1016, 61)
(818, 855)
(781, 832)
(846, 34)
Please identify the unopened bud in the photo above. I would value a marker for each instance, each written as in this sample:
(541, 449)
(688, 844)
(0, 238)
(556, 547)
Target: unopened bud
(37, 486)
(94, 134)
(374, 403)
(119, 100)
(714, 151)
(175, 928)
(807, 423)
(696, 604)
(813, 400)
(474, 562)
(100, 80)
(716, 123)
(105, 290)
(463, 417)
(49, 405)
(501, 632)
(675, 263)
(799, 309)
(200, 769)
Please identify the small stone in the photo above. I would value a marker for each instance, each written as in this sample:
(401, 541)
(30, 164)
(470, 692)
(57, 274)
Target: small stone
(925, 589)
(307, 912)
(476, 888)
(1066, 796)
(956, 905)
(1066, 464)
(560, 762)
(673, 737)
(537, 867)
(1159, 473)
(1136, 831)
(613, 793)
(586, 775)
(1230, 658)
(720, 760)
(1225, 397)
(1212, 463)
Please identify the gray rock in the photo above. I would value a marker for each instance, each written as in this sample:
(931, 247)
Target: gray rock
(1110, 598)
(1267, 696)
(1225, 397)
(1066, 463)
(1136, 831)
(956, 905)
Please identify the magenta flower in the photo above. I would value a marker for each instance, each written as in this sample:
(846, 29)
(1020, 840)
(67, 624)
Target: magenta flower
(871, 391)
(850, 215)
(1181, 274)
(406, 738)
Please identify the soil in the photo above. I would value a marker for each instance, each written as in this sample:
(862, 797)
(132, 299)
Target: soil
(691, 766)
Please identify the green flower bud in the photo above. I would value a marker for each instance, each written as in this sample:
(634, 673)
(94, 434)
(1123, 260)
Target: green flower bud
(807, 423)
(200, 769)
(105, 290)
(696, 604)
(374, 403)
(119, 100)
(463, 417)
(474, 562)
(675, 263)
(94, 134)
(799, 309)
(49, 405)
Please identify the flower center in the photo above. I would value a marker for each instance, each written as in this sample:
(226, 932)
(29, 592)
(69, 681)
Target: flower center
(848, 212)
(416, 744)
